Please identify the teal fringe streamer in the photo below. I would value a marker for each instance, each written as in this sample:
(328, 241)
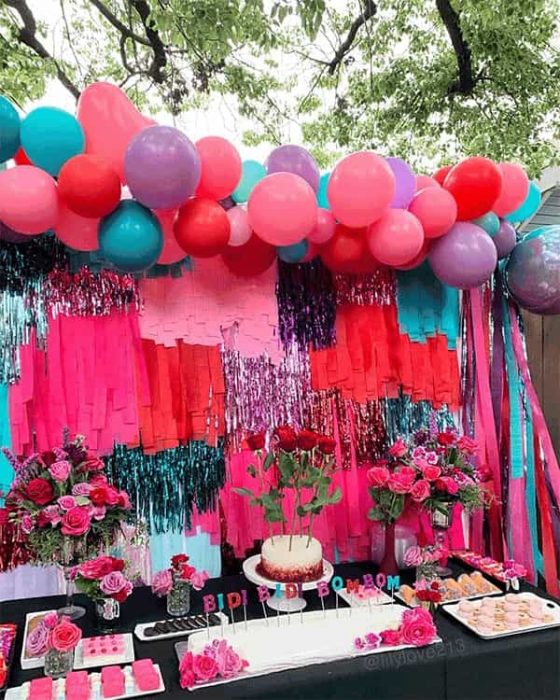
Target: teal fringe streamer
(164, 487)
(403, 416)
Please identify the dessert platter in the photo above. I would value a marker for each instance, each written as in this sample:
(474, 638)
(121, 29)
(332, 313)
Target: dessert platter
(490, 567)
(178, 626)
(465, 587)
(106, 650)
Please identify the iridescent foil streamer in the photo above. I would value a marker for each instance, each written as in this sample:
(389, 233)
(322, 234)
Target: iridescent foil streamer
(163, 487)
(376, 288)
(21, 266)
(403, 416)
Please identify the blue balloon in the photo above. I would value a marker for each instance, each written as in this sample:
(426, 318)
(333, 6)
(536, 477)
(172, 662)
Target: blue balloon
(9, 129)
(293, 253)
(489, 222)
(322, 199)
(130, 237)
(50, 136)
(252, 172)
(528, 207)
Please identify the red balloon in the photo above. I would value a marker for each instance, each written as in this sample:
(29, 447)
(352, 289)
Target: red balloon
(21, 158)
(89, 186)
(476, 184)
(347, 251)
(171, 252)
(202, 228)
(251, 258)
(441, 174)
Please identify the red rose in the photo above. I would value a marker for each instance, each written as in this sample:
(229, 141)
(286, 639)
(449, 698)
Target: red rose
(48, 458)
(98, 496)
(467, 444)
(327, 445)
(402, 481)
(187, 571)
(448, 485)
(40, 491)
(123, 594)
(286, 438)
(378, 476)
(42, 519)
(117, 564)
(124, 500)
(398, 449)
(65, 636)
(93, 464)
(97, 568)
(179, 559)
(431, 473)
(112, 496)
(256, 441)
(306, 440)
(446, 438)
(98, 480)
(76, 521)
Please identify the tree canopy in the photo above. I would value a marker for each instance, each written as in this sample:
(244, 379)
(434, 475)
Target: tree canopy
(429, 80)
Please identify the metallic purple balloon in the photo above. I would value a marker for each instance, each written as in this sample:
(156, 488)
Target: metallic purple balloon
(505, 239)
(465, 257)
(294, 159)
(161, 167)
(405, 180)
(10, 236)
(532, 272)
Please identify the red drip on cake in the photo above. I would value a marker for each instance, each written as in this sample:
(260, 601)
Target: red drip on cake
(296, 574)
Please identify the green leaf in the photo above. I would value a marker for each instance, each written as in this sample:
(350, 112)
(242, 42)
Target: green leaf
(242, 491)
(286, 466)
(251, 470)
(268, 461)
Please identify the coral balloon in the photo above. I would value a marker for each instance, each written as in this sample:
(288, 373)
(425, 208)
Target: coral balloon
(251, 173)
(251, 259)
(9, 129)
(282, 209)
(347, 251)
(220, 167)
(28, 199)
(89, 186)
(435, 209)
(294, 159)
(110, 121)
(465, 257)
(424, 181)
(396, 238)
(405, 182)
(476, 184)
(202, 228)
(171, 252)
(529, 206)
(77, 232)
(50, 137)
(360, 189)
(325, 228)
(505, 239)
(240, 231)
(515, 188)
(440, 174)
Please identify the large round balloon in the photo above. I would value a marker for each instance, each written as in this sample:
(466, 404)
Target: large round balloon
(515, 187)
(202, 228)
(294, 159)
(396, 238)
(529, 206)
(9, 129)
(252, 258)
(110, 121)
(489, 222)
(322, 198)
(171, 252)
(89, 186)
(77, 232)
(532, 272)
(251, 173)
(282, 209)
(240, 231)
(435, 209)
(294, 253)
(28, 199)
(347, 252)
(325, 228)
(361, 188)
(130, 237)
(405, 182)
(476, 184)
(220, 167)
(465, 257)
(505, 239)
(161, 167)
(50, 137)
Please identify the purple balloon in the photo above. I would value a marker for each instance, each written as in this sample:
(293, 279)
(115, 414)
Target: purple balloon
(10, 236)
(296, 160)
(505, 239)
(405, 182)
(532, 272)
(465, 257)
(161, 167)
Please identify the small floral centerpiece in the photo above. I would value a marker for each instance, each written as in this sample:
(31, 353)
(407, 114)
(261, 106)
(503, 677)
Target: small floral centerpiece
(428, 593)
(416, 628)
(218, 660)
(55, 638)
(512, 573)
(425, 559)
(103, 580)
(175, 583)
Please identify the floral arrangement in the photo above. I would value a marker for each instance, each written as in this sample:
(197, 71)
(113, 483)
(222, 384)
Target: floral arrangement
(180, 570)
(103, 577)
(428, 592)
(53, 633)
(7, 641)
(62, 502)
(302, 461)
(430, 470)
(416, 628)
(218, 660)
(425, 559)
(512, 573)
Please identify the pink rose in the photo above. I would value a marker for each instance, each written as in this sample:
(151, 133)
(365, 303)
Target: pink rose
(53, 515)
(82, 489)
(60, 471)
(162, 583)
(420, 490)
(401, 481)
(204, 668)
(124, 500)
(448, 484)
(198, 580)
(378, 476)
(98, 512)
(398, 448)
(417, 627)
(418, 453)
(50, 620)
(76, 521)
(38, 641)
(463, 479)
(112, 496)
(27, 524)
(413, 556)
(432, 458)
(67, 502)
(229, 663)
(98, 480)
(112, 583)
(431, 473)
(97, 568)
(391, 638)
(420, 463)
(186, 676)
(65, 636)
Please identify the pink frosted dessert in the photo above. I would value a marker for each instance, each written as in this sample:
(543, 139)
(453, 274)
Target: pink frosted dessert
(77, 686)
(112, 681)
(145, 675)
(99, 651)
(41, 689)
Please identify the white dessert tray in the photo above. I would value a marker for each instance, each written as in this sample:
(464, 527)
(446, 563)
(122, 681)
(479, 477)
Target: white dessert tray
(125, 658)
(139, 629)
(474, 596)
(29, 662)
(552, 607)
(380, 598)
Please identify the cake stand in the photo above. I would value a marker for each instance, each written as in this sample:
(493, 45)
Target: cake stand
(283, 604)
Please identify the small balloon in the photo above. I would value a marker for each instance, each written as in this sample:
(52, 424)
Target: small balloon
(28, 199)
(77, 232)
(220, 167)
(440, 174)
(50, 137)
(240, 231)
(171, 252)
(325, 228)
(251, 173)
(322, 199)
(251, 259)
(9, 129)
(396, 238)
(489, 222)
(405, 182)
(294, 253)
(294, 159)
(514, 191)
(202, 228)
(475, 183)
(435, 209)
(505, 239)
(347, 252)
(529, 206)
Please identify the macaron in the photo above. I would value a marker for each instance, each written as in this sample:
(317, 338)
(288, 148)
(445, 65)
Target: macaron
(512, 598)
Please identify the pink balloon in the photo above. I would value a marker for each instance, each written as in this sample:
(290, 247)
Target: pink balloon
(282, 209)
(360, 189)
(396, 238)
(514, 189)
(28, 199)
(77, 232)
(171, 251)
(326, 226)
(220, 167)
(109, 120)
(436, 209)
(424, 181)
(240, 231)
(417, 260)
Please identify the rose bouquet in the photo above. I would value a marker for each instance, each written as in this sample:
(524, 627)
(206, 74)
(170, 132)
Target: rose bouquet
(55, 638)
(175, 583)
(103, 577)
(425, 559)
(218, 660)
(417, 628)
(428, 593)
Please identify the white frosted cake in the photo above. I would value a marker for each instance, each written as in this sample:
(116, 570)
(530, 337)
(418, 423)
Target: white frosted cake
(300, 561)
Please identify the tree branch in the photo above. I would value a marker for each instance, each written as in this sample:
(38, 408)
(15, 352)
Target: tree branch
(115, 21)
(370, 10)
(159, 61)
(466, 81)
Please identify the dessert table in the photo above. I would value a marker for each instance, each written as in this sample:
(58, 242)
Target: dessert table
(463, 667)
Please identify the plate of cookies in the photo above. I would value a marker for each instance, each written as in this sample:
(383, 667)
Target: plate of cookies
(178, 626)
(465, 587)
(512, 613)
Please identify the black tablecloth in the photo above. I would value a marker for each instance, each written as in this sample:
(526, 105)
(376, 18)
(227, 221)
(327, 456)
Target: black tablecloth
(463, 667)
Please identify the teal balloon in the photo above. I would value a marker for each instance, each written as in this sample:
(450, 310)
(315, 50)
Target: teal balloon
(9, 129)
(251, 173)
(322, 199)
(50, 136)
(293, 253)
(489, 222)
(130, 237)
(529, 207)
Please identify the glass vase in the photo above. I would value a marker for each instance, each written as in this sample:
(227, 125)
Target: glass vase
(107, 614)
(74, 612)
(441, 522)
(179, 599)
(388, 564)
(58, 663)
